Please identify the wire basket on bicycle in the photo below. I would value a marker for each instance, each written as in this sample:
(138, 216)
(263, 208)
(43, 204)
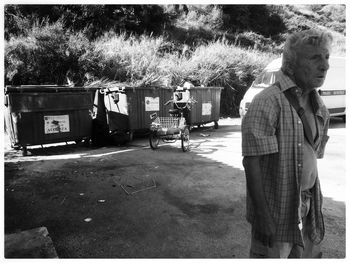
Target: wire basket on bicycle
(169, 129)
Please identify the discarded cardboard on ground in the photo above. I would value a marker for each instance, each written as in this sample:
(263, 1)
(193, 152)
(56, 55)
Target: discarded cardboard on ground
(33, 243)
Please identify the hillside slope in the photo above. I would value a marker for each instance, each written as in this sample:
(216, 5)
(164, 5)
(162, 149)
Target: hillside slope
(162, 45)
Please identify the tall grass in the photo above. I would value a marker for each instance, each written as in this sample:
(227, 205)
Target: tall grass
(216, 62)
(138, 62)
(130, 59)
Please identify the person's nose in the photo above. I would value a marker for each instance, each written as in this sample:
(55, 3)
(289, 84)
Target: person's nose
(324, 66)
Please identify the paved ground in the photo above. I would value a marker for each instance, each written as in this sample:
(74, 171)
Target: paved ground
(192, 205)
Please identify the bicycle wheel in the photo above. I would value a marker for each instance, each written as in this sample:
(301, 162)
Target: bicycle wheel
(185, 139)
(154, 140)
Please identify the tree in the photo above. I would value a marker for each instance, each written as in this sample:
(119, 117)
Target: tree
(93, 20)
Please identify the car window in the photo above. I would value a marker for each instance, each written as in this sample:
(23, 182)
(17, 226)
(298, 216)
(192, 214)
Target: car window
(265, 79)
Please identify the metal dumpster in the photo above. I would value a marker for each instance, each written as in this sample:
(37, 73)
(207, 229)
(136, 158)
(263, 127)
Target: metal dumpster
(110, 117)
(145, 101)
(120, 111)
(207, 106)
(37, 115)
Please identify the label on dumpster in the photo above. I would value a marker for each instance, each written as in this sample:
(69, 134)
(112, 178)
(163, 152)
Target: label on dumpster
(152, 104)
(206, 108)
(56, 124)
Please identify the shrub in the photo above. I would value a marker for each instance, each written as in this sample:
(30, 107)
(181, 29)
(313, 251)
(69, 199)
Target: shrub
(94, 20)
(206, 17)
(218, 64)
(36, 58)
(46, 55)
(334, 12)
(15, 24)
(136, 61)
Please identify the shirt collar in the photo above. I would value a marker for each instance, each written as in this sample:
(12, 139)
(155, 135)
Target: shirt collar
(287, 83)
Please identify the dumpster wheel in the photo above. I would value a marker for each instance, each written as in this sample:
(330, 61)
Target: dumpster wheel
(130, 136)
(216, 125)
(77, 141)
(24, 151)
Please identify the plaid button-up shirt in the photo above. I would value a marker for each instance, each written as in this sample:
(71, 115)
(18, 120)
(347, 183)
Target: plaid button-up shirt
(273, 130)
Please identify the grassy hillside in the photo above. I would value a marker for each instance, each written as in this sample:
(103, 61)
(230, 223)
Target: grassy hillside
(211, 45)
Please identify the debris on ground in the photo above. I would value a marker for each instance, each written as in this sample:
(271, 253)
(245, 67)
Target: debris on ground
(133, 184)
(63, 200)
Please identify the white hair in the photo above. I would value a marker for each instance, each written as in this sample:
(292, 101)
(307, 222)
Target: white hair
(296, 41)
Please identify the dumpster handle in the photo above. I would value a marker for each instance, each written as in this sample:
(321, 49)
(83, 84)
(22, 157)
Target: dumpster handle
(153, 115)
(107, 90)
(166, 103)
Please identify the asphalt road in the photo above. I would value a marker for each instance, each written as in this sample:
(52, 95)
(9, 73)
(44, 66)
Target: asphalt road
(191, 205)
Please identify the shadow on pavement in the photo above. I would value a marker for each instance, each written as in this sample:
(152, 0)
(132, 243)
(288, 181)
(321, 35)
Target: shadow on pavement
(196, 210)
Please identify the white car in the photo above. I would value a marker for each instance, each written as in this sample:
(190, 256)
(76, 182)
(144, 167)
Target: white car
(332, 91)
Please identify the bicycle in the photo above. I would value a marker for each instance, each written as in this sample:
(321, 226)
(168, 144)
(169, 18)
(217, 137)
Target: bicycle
(170, 129)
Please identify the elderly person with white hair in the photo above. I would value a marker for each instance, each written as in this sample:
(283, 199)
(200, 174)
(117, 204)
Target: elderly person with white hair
(283, 134)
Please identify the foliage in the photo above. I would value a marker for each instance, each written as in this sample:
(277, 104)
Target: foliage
(129, 59)
(163, 45)
(47, 55)
(207, 17)
(298, 17)
(261, 19)
(136, 61)
(93, 20)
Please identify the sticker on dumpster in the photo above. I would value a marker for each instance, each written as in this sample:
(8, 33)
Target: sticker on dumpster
(56, 124)
(152, 104)
(206, 108)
